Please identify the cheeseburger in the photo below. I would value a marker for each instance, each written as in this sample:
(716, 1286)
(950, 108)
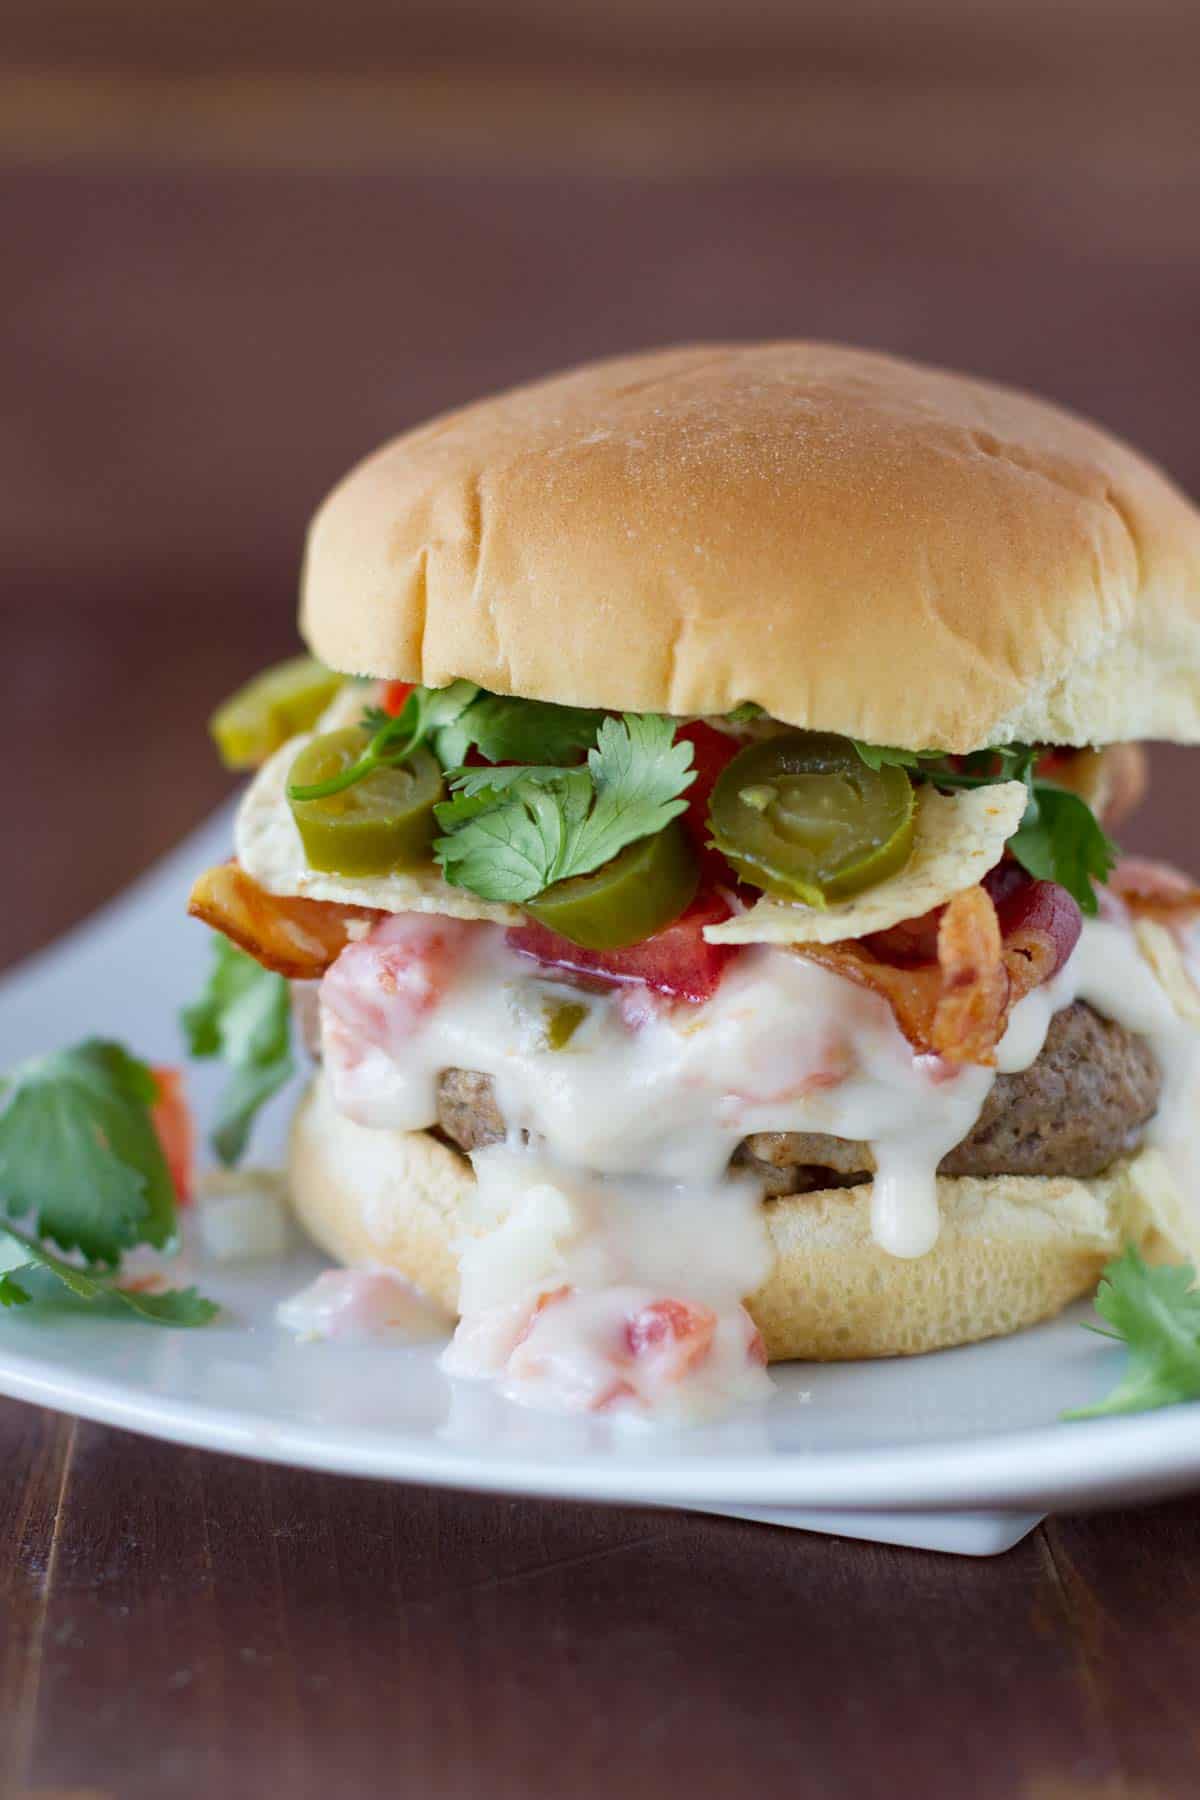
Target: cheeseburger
(692, 848)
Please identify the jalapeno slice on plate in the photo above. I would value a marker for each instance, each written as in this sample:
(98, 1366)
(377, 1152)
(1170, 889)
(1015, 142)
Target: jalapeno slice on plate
(640, 891)
(283, 700)
(804, 817)
(383, 823)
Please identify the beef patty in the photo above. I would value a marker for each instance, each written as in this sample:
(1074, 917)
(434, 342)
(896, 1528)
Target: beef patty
(1083, 1102)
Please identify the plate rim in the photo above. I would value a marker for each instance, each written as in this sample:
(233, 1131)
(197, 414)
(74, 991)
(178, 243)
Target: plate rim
(1102, 1460)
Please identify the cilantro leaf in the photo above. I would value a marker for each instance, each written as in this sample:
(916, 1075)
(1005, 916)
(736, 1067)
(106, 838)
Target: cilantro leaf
(393, 740)
(512, 832)
(1060, 839)
(244, 1017)
(79, 1152)
(640, 773)
(886, 756)
(25, 1259)
(1156, 1312)
(509, 730)
(506, 839)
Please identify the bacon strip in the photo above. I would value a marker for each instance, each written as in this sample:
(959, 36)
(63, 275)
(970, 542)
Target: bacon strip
(1154, 890)
(1112, 780)
(953, 977)
(294, 937)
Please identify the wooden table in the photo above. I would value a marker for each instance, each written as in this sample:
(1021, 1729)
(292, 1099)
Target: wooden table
(235, 260)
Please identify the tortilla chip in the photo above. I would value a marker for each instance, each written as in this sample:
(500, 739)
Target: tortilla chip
(268, 847)
(957, 839)
(1160, 948)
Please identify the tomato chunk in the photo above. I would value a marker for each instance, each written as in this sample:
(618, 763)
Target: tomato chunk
(676, 1335)
(711, 750)
(676, 961)
(172, 1120)
(394, 696)
(381, 989)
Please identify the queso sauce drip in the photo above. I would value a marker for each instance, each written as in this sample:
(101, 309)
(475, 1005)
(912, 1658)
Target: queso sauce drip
(577, 1286)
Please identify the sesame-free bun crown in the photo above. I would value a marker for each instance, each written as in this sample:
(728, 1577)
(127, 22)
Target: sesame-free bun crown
(857, 543)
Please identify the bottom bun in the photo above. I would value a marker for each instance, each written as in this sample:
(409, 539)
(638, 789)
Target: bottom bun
(1012, 1249)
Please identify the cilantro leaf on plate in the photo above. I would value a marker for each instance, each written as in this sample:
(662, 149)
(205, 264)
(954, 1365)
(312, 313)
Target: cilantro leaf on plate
(510, 833)
(1155, 1311)
(244, 1018)
(79, 1152)
(24, 1262)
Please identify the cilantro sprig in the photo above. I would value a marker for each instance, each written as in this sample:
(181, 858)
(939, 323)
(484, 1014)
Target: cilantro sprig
(505, 729)
(81, 1166)
(1059, 838)
(426, 712)
(244, 1018)
(79, 1152)
(1155, 1312)
(26, 1264)
(509, 833)
(456, 719)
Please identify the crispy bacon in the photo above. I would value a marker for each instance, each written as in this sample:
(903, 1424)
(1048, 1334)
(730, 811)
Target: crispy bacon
(975, 991)
(952, 977)
(1112, 780)
(1154, 890)
(297, 938)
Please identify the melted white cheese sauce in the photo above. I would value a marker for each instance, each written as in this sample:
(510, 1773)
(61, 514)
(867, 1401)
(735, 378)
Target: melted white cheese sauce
(356, 1305)
(582, 1293)
(643, 1087)
(613, 1249)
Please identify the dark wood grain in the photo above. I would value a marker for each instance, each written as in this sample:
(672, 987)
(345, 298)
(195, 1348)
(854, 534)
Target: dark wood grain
(240, 247)
(222, 1626)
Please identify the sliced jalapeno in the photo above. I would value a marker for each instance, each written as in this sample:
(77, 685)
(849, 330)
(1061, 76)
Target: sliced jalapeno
(283, 700)
(805, 818)
(636, 894)
(383, 823)
(562, 1020)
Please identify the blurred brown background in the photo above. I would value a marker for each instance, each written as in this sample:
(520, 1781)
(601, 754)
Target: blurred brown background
(244, 243)
(241, 242)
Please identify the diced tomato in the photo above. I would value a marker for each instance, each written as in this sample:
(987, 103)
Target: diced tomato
(381, 989)
(711, 750)
(676, 961)
(172, 1120)
(550, 1297)
(616, 1394)
(676, 1335)
(394, 696)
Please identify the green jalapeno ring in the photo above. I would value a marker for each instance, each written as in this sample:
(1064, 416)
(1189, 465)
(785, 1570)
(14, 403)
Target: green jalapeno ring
(640, 891)
(803, 817)
(263, 714)
(383, 824)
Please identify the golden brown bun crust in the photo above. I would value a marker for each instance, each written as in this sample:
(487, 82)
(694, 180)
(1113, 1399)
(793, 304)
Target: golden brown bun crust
(1011, 1251)
(857, 543)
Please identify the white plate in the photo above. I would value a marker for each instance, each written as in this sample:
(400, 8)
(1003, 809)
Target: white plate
(966, 1429)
